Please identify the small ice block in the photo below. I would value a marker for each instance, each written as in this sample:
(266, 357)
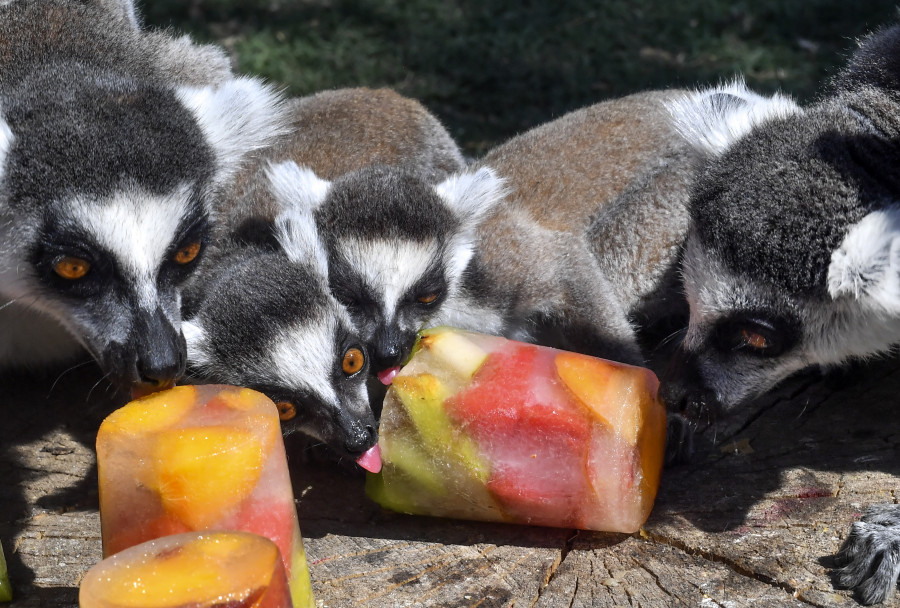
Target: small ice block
(196, 569)
(481, 427)
(5, 588)
(199, 458)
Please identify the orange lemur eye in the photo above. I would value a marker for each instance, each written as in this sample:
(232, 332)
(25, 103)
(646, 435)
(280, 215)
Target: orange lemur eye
(71, 268)
(428, 299)
(188, 253)
(354, 359)
(754, 339)
(286, 410)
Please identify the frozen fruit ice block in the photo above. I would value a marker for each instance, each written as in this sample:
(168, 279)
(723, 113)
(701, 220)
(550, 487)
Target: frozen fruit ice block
(481, 427)
(199, 458)
(196, 569)
(5, 588)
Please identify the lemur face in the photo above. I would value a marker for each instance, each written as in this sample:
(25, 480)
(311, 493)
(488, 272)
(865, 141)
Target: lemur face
(396, 247)
(111, 272)
(793, 254)
(268, 322)
(105, 185)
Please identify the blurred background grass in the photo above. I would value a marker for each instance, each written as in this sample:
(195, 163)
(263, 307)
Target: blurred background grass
(493, 68)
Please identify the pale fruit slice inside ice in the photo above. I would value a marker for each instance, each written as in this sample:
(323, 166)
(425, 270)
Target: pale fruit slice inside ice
(454, 351)
(423, 395)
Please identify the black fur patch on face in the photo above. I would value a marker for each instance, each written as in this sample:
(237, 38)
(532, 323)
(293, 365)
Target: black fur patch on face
(780, 201)
(255, 296)
(382, 202)
(756, 333)
(80, 130)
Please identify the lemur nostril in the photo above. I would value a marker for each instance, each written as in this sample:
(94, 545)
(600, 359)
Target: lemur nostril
(362, 440)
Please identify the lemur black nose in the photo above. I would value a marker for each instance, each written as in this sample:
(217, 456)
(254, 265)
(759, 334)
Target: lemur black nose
(386, 349)
(161, 350)
(361, 440)
(683, 390)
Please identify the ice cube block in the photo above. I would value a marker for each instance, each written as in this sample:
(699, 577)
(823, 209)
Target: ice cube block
(5, 588)
(196, 569)
(481, 427)
(199, 458)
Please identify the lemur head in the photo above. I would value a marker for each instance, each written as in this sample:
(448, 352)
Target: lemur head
(261, 315)
(794, 251)
(397, 247)
(106, 185)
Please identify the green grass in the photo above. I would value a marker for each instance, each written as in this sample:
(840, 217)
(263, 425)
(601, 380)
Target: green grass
(493, 68)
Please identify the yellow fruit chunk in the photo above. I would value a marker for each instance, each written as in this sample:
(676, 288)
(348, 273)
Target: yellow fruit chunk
(151, 413)
(202, 473)
(185, 570)
(454, 350)
(422, 395)
(241, 399)
(611, 392)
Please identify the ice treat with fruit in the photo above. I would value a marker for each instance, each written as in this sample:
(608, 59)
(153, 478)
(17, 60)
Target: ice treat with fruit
(199, 458)
(481, 427)
(5, 588)
(195, 569)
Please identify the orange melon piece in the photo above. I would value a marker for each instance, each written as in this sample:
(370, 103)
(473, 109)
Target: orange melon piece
(202, 473)
(612, 393)
(203, 570)
(151, 413)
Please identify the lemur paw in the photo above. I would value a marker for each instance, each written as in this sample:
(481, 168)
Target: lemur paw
(679, 439)
(869, 560)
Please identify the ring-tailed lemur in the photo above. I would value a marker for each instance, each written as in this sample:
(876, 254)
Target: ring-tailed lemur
(793, 257)
(588, 235)
(545, 241)
(109, 164)
(274, 326)
(261, 315)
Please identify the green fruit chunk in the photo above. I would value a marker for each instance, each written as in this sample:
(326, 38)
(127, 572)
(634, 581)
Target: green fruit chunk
(5, 588)
(423, 395)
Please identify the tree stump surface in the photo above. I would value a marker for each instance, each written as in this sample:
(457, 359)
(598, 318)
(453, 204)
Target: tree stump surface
(751, 521)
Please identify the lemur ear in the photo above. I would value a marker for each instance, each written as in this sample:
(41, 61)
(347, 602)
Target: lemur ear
(6, 141)
(711, 120)
(237, 117)
(294, 186)
(866, 266)
(472, 195)
(299, 192)
(875, 63)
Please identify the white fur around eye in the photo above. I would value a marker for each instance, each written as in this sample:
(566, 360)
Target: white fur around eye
(390, 268)
(713, 119)
(138, 228)
(867, 264)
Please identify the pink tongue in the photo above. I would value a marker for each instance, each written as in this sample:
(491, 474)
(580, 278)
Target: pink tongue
(371, 459)
(387, 376)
